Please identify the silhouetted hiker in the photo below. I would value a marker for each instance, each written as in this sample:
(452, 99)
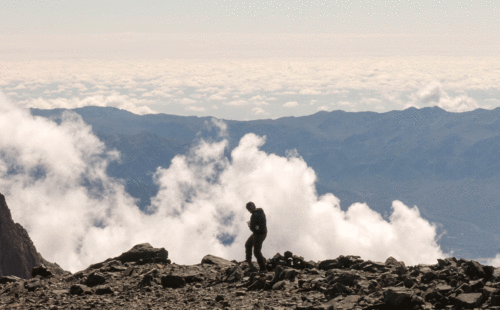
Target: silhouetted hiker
(258, 227)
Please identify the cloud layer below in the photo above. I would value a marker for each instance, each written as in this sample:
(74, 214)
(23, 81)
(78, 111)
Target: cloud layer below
(256, 88)
(54, 178)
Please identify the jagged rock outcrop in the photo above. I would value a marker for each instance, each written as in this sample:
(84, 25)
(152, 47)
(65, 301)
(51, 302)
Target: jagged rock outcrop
(151, 281)
(18, 254)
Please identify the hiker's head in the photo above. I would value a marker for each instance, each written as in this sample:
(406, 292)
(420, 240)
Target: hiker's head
(251, 207)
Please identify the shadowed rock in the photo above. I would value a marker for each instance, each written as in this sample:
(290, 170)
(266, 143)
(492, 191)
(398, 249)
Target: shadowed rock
(144, 253)
(18, 255)
(348, 283)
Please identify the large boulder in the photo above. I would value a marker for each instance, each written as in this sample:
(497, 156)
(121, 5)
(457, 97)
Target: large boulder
(214, 260)
(144, 252)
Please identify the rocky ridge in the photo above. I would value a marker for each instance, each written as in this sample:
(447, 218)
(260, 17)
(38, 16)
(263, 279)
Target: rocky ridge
(144, 278)
(18, 254)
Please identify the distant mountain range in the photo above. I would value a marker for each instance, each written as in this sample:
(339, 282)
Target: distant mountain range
(448, 164)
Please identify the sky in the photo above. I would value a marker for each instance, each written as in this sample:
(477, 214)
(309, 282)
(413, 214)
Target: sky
(228, 59)
(251, 59)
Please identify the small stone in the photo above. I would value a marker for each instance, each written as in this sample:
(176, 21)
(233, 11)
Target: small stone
(103, 290)
(219, 298)
(470, 299)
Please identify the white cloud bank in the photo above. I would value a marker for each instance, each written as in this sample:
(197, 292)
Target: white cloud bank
(172, 86)
(44, 167)
(433, 94)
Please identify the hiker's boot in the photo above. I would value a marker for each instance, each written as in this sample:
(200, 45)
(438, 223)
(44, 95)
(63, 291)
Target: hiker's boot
(263, 268)
(251, 267)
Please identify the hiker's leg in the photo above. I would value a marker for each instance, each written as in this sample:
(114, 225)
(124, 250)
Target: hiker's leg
(257, 250)
(248, 249)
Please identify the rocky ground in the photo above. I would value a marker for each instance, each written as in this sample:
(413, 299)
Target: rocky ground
(144, 278)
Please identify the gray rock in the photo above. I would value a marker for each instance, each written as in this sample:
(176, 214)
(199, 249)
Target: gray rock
(94, 279)
(42, 271)
(476, 285)
(214, 260)
(79, 289)
(279, 285)
(391, 261)
(470, 300)
(398, 296)
(103, 290)
(234, 274)
(144, 252)
(9, 279)
(130, 271)
(146, 280)
(495, 300)
(474, 269)
(279, 274)
(348, 303)
(60, 292)
(290, 274)
(33, 285)
(189, 276)
(172, 281)
(444, 288)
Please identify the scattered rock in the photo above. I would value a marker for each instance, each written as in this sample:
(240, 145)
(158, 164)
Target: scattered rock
(347, 283)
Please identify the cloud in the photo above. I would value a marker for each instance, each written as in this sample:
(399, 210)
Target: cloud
(309, 91)
(291, 104)
(323, 108)
(346, 103)
(216, 97)
(195, 109)
(493, 261)
(258, 80)
(433, 94)
(259, 111)
(186, 101)
(236, 103)
(77, 215)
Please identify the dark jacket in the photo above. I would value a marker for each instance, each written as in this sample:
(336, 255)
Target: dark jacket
(258, 222)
